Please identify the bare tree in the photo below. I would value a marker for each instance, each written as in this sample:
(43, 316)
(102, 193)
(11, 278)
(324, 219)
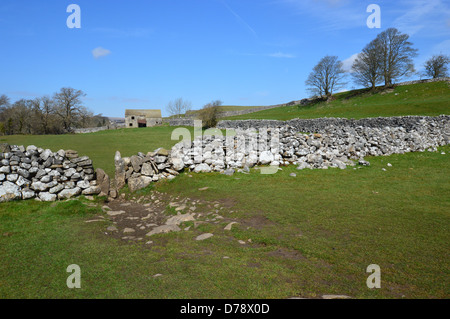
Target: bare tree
(21, 117)
(326, 77)
(178, 107)
(68, 106)
(395, 55)
(4, 101)
(44, 110)
(366, 67)
(436, 66)
(209, 114)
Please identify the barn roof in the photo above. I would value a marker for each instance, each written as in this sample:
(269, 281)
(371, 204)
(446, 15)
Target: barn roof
(146, 113)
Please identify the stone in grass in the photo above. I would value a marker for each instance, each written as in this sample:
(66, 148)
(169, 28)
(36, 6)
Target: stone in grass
(177, 220)
(115, 213)
(112, 228)
(230, 225)
(303, 165)
(203, 189)
(183, 207)
(335, 297)
(164, 229)
(128, 230)
(389, 164)
(229, 172)
(204, 236)
(363, 162)
(293, 175)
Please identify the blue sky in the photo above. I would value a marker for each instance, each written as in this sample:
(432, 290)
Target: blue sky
(144, 53)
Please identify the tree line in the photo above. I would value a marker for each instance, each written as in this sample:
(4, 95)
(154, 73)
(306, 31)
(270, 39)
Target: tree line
(386, 59)
(59, 114)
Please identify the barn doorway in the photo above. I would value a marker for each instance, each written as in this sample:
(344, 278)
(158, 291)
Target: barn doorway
(142, 123)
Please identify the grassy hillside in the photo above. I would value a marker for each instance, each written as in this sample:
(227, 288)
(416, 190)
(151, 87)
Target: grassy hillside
(417, 99)
(223, 108)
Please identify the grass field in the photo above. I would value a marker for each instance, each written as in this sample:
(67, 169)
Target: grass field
(310, 235)
(430, 99)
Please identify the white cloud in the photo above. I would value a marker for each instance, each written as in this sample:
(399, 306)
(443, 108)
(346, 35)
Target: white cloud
(281, 55)
(347, 63)
(100, 52)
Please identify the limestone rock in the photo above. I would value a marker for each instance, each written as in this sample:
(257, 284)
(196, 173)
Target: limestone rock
(138, 183)
(69, 193)
(177, 220)
(164, 229)
(266, 157)
(103, 181)
(92, 190)
(47, 197)
(177, 164)
(120, 173)
(202, 168)
(204, 236)
(9, 191)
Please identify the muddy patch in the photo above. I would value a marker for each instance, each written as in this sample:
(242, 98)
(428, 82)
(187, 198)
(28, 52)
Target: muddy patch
(257, 222)
(287, 254)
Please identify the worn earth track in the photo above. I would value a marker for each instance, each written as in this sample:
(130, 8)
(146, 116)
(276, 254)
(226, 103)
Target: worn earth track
(139, 218)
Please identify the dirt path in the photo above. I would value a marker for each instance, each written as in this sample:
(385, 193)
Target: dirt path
(140, 218)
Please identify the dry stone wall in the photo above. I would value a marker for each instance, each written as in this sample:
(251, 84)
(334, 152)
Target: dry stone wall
(139, 171)
(336, 146)
(321, 124)
(38, 173)
(333, 147)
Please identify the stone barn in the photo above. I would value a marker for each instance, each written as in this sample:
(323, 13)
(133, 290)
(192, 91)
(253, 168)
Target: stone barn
(142, 118)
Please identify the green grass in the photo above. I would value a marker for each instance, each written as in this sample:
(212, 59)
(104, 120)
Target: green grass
(430, 99)
(102, 146)
(328, 225)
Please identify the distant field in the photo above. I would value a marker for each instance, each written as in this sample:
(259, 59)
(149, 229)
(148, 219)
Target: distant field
(228, 108)
(430, 99)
